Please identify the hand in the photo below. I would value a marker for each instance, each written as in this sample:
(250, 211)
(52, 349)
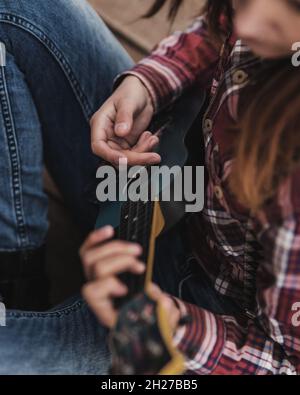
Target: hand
(102, 264)
(169, 306)
(119, 126)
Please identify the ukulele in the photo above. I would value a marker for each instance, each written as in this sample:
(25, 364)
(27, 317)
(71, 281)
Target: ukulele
(141, 342)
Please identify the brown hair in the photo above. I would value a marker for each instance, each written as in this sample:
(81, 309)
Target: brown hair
(268, 147)
(268, 144)
(214, 9)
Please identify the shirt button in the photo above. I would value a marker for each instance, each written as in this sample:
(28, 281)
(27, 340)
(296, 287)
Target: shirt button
(208, 125)
(239, 77)
(219, 192)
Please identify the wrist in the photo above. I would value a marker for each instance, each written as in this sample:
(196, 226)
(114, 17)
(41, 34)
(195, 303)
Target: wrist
(142, 83)
(134, 79)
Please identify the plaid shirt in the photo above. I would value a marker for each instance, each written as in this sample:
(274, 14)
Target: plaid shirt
(255, 260)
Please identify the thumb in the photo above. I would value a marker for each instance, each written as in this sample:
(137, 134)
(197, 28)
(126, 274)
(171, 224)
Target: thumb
(124, 119)
(154, 291)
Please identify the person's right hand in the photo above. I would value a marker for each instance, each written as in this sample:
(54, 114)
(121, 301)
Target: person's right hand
(119, 127)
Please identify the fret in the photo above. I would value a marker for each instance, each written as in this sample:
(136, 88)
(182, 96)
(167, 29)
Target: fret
(135, 226)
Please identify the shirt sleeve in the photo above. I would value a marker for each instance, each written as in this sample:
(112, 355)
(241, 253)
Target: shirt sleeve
(270, 343)
(177, 63)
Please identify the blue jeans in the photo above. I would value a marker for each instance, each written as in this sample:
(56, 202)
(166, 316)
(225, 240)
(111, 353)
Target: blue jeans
(61, 62)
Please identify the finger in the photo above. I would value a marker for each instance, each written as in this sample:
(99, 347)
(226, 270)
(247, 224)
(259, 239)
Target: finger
(154, 291)
(171, 310)
(111, 249)
(146, 143)
(158, 295)
(103, 289)
(99, 297)
(102, 149)
(118, 144)
(144, 137)
(105, 312)
(133, 158)
(142, 159)
(96, 237)
(101, 133)
(117, 265)
(166, 302)
(124, 118)
(113, 266)
(102, 124)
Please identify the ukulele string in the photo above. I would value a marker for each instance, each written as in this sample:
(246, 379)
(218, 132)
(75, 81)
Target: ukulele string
(135, 226)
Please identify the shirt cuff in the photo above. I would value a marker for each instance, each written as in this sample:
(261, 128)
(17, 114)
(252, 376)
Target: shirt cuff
(201, 340)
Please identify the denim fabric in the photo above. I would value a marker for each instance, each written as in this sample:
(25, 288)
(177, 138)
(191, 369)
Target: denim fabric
(65, 341)
(60, 64)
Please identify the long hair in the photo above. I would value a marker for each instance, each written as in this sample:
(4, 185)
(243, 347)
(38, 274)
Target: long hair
(268, 144)
(267, 147)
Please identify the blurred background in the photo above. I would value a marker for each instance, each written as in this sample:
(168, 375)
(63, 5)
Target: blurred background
(138, 36)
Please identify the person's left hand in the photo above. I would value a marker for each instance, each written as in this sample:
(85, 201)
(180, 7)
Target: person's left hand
(102, 264)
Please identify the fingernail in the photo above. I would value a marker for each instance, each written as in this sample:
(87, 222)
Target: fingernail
(154, 141)
(108, 229)
(141, 268)
(121, 127)
(156, 158)
(135, 248)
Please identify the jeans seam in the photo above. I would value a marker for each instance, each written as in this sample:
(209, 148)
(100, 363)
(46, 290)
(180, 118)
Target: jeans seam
(58, 55)
(55, 314)
(14, 160)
